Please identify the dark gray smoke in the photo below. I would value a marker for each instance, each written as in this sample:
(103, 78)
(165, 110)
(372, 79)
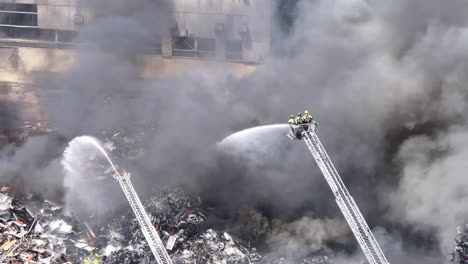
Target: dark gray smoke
(385, 80)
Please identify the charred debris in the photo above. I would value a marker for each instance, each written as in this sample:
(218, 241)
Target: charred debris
(38, 231)
(35, 230)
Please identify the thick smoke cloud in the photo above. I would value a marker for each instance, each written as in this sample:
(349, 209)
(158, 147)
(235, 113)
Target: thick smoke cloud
(385, 80)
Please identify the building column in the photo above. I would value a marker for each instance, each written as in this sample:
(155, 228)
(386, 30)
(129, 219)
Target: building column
(166, 46)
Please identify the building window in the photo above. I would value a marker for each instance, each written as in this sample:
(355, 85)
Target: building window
(234, 50)
(184, 46)
(18, 7)
(18, 19)
(206, 48)
(18, 14)
(66, 35)
(194, 47)
(44, 34)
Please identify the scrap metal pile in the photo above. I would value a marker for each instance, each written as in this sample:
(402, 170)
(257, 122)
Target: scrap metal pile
(34, 230)
(37, 231)
(311, 260)
(179, 220)
(37, 234)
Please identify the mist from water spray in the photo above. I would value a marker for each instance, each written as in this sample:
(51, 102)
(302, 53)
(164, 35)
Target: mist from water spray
(81, 142)
(85, 192)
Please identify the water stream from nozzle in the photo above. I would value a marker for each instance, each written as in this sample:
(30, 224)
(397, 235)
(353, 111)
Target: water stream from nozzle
(81, 143)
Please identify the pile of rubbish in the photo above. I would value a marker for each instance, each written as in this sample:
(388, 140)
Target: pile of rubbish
(42, 233)
(20, 134)
(311, 260)
(38, 231)
(45, 236)
(179, 219)
(123, 146)
(460, 251)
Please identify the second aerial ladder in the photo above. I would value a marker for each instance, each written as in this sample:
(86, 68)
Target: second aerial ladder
(345, 201)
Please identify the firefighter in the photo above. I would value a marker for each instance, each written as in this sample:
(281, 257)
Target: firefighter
(292, 123)
(298, 119)
(291, 120)
(307, 118)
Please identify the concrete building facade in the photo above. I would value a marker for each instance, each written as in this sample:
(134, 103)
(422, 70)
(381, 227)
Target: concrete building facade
(231, 30)
(39, 38)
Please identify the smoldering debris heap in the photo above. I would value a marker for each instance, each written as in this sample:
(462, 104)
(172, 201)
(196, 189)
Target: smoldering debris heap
(179, 219)
(181, 222)
(42, 236)
(20, 134)
(37, 231)
(311, 260)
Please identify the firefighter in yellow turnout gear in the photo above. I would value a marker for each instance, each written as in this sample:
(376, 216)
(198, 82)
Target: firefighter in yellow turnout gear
(301, 123)
(306, 118)
(291, 120)
(298, 119)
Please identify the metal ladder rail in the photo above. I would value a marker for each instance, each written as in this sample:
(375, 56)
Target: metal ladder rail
(345, 201)
(375, 248)
(147, 228)
(340, 200)
(149, 232)
(351, 212)
(344, 204)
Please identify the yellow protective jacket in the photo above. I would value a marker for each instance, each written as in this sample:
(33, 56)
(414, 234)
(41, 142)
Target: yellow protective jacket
(291, 121)
(307, 118)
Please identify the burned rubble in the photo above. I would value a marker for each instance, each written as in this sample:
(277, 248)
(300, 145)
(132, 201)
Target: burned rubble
(38, 231)
(35, 230)
(179, 220)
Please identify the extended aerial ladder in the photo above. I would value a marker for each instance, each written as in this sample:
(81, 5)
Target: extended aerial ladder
(148, 230)
(345, 201)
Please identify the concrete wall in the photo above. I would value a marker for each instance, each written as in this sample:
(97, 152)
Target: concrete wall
(199, 18)
(57, 14)
(18, 65)
(248, 21)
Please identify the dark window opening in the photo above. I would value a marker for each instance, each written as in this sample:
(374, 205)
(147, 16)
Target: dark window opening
(194, 47)
(184, 46)
(206, 48)
(234, 50)
(184, 43)
(41, 34)
(206, 44)
(18, 7)
(66, 35)
(19, 19)
(45, 34)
